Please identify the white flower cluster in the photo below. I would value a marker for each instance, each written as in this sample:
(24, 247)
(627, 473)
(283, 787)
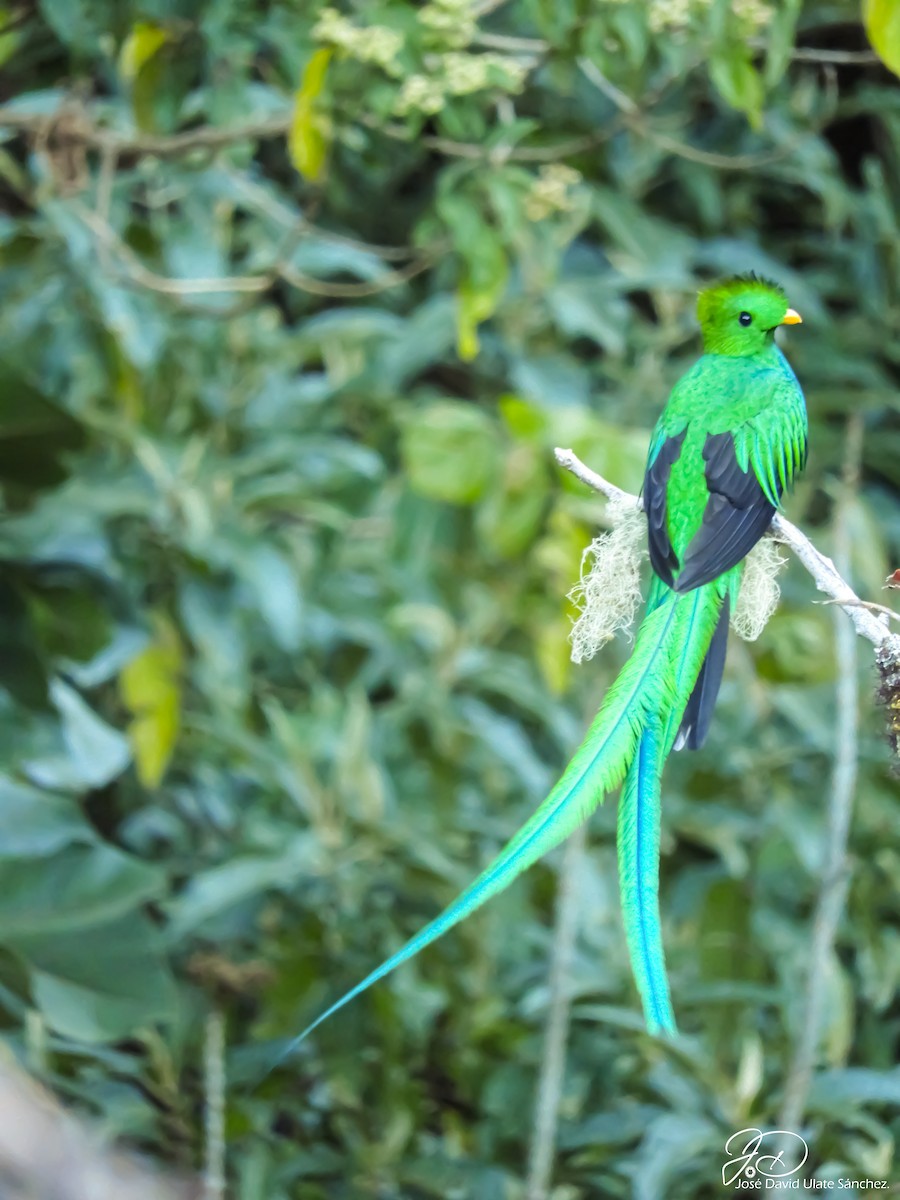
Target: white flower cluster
(451, 22)
(459, 74)
(373, 43)
(449, 71)
(666, 16)
(551, 191)
(754, 15)
(465, 73)
(420, 93)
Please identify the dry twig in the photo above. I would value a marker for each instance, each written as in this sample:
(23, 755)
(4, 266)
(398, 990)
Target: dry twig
(133, 271)
(871, 605)
(214, 1106)
(82, 128)
(635, 118)
(556, 1028)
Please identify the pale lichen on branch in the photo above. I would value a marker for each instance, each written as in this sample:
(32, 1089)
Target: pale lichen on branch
(827, 579)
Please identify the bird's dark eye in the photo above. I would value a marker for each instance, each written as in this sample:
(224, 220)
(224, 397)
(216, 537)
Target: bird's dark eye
(745, 318)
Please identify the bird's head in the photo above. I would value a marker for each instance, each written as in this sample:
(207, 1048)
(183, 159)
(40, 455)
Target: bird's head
(739, 316)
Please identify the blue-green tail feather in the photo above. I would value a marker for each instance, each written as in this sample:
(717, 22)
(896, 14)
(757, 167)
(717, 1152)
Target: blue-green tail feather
(646, 691)
(639, 803)
(638, 850)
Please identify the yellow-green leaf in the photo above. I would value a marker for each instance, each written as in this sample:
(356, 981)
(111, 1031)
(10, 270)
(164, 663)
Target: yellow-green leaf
(523, 418)
(557, 559)
(509, 519)
(475, 304)
(10, 36)
(143, 43)
(450, 451)
(554, 653)
(882, 21)
(150, 686)
(738, 81)
(307, 141)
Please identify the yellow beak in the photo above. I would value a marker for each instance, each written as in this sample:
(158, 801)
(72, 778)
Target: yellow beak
(792, 318)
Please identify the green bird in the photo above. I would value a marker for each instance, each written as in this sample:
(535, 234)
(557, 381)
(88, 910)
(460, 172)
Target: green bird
(729, 442)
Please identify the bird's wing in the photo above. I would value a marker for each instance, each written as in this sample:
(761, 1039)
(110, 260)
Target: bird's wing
(746, 472)
(663, 558)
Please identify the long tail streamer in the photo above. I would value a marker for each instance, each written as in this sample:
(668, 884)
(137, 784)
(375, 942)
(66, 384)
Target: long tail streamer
(629, 738)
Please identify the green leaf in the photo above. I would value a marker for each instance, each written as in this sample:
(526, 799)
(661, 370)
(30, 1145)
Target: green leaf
(509, 519)
(103, 982)
(834, 1090)
(522, 418)
(486, 266)
(97, 753)
(143, 43)
(478, 297)
(24, 664)
(629, 23)
(276, 592)
(144, 67)
(80, 885)
(738, 81)
(34, 823)
(780, 35)
(307, 143)
(669, 1144)
(79, 23)
(473, 307)
(151, 688)
(10, 39)
(553, 652)
(450, 451)
(582, 308)
(222, 888)
(882, 21)
(35, 431)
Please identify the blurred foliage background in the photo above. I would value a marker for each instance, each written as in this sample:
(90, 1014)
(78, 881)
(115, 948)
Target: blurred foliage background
(296, 301)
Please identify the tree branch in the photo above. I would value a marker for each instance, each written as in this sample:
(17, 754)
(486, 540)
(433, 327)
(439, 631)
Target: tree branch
(74, 125)
(871, 605)
(635, 118)
(135, 272)
(214, 1106)
(861, 58)
(823, 571)
(80, 127)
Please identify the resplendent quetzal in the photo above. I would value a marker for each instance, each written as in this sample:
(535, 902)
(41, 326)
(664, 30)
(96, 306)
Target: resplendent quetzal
(729, 442)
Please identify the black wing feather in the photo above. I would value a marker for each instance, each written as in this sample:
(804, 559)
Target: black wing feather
(737, 514)
(663, 558)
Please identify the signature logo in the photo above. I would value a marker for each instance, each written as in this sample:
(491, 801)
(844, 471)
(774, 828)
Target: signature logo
(774, 1154)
